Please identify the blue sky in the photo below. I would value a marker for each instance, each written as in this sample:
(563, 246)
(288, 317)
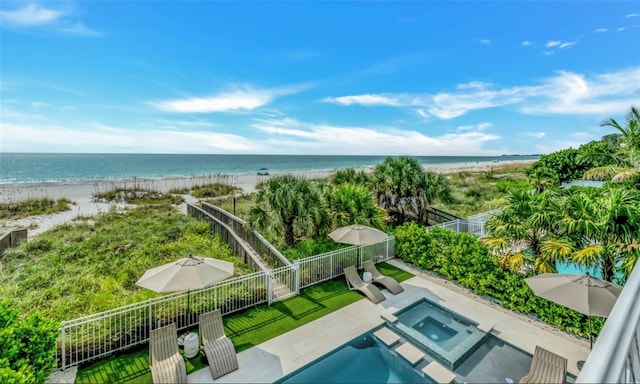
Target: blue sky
(365, 78)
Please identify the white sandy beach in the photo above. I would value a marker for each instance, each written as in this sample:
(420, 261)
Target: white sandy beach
(81, 194)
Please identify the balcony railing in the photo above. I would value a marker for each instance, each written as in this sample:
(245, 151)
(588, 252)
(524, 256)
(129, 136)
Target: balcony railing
(615, 357)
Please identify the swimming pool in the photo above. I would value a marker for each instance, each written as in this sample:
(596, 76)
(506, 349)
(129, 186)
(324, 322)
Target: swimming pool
(362, 360)
(445, 335)
(367, 359)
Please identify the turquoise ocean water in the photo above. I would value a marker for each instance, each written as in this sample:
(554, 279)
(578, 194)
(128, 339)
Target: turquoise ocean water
(45, 167)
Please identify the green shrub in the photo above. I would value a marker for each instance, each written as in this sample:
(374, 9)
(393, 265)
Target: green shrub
(28, 346)
(462, 258)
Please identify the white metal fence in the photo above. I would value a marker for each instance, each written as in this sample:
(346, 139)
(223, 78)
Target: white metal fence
(92, 337)
(472, 224)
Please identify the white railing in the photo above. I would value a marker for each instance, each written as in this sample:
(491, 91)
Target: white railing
(615, 357)
(92, 337)
(472, 224)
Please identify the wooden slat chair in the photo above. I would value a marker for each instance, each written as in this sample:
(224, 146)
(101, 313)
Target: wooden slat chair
(356, 283)
(388, 282)
(166, 363)
(546, 367)
(218, 348)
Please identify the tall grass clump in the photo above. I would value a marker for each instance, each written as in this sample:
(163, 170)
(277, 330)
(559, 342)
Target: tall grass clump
(32, 207)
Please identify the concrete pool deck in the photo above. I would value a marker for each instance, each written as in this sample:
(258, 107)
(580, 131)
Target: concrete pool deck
(275, 358)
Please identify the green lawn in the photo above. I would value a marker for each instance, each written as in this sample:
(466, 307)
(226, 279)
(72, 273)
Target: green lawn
(246, 329)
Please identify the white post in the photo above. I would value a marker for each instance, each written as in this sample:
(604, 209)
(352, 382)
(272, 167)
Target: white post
(296, 272)
(64, 353)
(150, 316)
(267, 274)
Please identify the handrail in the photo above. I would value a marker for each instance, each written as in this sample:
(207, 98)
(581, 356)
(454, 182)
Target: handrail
(611, 359)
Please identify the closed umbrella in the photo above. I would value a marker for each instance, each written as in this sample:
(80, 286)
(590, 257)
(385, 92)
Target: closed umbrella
(358, 234)
(582, 293)
(186, 274)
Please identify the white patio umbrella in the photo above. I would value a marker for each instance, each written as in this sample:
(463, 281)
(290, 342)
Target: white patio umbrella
(185, 274)
(582, 293)
(358, 234)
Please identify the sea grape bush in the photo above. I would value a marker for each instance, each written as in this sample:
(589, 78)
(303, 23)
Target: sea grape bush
(460, 257)
(28, 346)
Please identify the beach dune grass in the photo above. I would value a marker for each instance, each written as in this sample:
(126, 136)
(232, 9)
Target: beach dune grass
(246, 329)
(32, 207)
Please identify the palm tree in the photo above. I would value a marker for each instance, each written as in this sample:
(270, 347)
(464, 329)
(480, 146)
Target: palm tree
(521, 233)
(353, 204)
(405, 190)
(288, 205)
(350, 175)
(603, 226)
(625, 162)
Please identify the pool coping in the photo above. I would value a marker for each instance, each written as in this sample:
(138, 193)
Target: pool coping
(276, 358)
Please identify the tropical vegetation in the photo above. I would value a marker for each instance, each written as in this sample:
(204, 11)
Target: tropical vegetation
(623, 164)
(462, 259)
(597, 228)
(28, 346)
(592, 227)
(293, 209)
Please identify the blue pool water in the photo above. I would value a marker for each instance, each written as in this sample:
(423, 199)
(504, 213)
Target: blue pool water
(435, 330)
(445, 335)
(362, 360)
(575, 269)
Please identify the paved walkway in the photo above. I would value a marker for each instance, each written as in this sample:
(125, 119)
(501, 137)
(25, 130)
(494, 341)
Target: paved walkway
(284, 354)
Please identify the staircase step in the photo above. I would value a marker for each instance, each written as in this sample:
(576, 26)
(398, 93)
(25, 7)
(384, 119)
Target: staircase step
(387, 336)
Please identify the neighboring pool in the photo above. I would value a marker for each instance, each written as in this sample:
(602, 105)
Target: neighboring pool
(447, 336)
(362, 360)
(575, 269)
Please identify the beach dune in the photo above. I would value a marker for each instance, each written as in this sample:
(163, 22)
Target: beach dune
(81, 193)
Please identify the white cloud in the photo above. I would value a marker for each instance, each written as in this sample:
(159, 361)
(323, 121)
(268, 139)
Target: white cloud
(30, 15)
(474, 85)
(238, 100)
(567, 45)
(330, 139)
(631, 15)
(102, 138)
(477, 127)
(621, 29)
(526, 43)
(600, 30)
(36, 16)
(486, 42)
(559, 44)
(573, 93)
(565, 93)
(368, 100)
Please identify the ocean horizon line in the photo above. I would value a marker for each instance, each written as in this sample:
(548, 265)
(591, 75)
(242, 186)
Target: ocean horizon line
(18, 168)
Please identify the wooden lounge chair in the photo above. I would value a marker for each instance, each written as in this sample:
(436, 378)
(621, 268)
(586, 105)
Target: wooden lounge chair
(218, 348)
(546, 367)
(166, 363)
(355, 283)
(388, 282)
